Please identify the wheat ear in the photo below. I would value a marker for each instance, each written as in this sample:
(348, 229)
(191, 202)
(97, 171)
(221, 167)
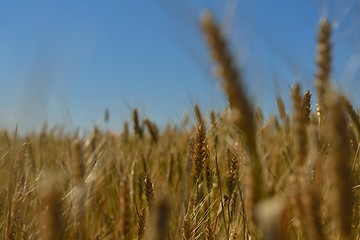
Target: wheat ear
(323, 62)
(241, 108)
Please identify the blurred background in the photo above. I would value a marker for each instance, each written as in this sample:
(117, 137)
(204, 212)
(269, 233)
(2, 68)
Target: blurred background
(66, 63)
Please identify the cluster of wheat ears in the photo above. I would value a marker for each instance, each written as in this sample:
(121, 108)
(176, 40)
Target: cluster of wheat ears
(233, 175)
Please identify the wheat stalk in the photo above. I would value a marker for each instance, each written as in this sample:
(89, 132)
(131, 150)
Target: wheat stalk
(241, 109)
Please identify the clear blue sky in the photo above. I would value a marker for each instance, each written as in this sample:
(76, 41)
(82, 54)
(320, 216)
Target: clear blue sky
(66, 61)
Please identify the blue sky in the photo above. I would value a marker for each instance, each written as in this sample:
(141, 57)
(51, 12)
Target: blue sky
(67, 61)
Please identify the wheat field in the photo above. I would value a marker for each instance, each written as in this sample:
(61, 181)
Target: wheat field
(229, 175)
